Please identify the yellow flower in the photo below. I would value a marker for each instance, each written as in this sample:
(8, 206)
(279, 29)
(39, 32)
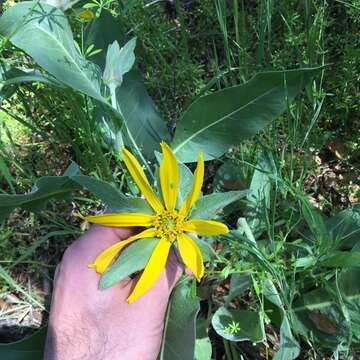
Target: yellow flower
(87, 15)
(10, 3)
(166, 223)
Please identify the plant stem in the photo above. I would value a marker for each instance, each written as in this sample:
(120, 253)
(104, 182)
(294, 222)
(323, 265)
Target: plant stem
(227, 349)
(234, 353)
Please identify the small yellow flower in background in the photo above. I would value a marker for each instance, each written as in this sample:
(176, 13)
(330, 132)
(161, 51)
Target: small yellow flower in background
(87, 15)
(167, 223)
(9, 3)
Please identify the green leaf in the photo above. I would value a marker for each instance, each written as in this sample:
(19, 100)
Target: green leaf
(101, 32)
(229, 176)
(203, 348)
(206, 249)
(186, 179)
(179, 329)
(12, 76)
(132, 259)
(289, 348)
(331, 315)
(143, 120)
(260, 185)
(31, 348)
(259, 197)
(6, 91)
(345, 226)
(46, 188)
(44, 33)
(315, 220)
(112, 197)
(53, 187)
(342, 259)
(210, 205)
(214, 122)
(250, 324)
(238, 284)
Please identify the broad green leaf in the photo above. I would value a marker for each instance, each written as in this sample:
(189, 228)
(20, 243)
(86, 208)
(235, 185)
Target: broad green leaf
(102, 32)
(30, 348)
(289, 348)
(210, 205)
(315, 220)
(331, 315)
(46, 188)
(238, 284)
(44, 33)
(131, 260)
(18, 76)
(203, 348)
(6, 91)
(259, 198)
(341, 259)
(215, 122)
(146, 127)
(179, 328)
(186, 182)
(249, 325)
(113, 198)
(345, 226)
(143, 120)
(229, 176)
(53, 187)
(206, 249)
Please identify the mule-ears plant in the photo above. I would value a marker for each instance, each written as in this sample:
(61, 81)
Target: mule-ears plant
(116, 105)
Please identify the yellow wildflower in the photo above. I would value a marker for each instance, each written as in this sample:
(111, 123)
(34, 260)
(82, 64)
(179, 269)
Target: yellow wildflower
(87, 15)
(9, 3)
(167, 223)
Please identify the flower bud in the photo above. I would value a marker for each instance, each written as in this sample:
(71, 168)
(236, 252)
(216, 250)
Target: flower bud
(118, 62)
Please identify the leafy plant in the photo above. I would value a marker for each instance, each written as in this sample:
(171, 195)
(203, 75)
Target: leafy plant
(285, 264)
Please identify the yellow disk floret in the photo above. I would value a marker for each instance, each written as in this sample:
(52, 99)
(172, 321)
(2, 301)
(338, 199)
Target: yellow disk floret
(168, 224)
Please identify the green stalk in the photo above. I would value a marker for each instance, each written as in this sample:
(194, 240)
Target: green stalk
(179, 12)
(94, 145)
(227, 349)
(22, 122)
(115, 106)
(234, 352)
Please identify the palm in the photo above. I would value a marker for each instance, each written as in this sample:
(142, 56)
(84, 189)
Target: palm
(104, 316)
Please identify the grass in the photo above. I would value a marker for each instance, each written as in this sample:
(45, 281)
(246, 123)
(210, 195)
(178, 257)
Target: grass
(187, 49)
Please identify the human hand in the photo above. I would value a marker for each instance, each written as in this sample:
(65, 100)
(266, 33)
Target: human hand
(88, 323)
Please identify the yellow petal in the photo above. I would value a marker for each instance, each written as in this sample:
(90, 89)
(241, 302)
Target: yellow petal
(196, 188)
(121, 219)
(191, 255)
(152, 270)
(205, 227)
(169, 177)
(105, 258)
(137, 173)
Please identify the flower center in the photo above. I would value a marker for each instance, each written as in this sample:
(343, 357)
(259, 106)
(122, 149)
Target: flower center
(168, 224)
